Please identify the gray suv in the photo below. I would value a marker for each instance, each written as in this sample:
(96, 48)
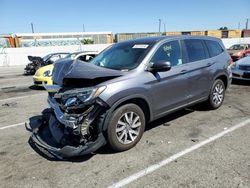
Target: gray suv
(112, 98)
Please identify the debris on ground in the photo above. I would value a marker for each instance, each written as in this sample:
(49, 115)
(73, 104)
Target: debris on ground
(150, 143)
(10, 104)
(195, 139)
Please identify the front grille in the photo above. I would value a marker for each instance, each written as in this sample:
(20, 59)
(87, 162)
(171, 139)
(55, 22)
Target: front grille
(244, 67)
(38, 82)
(246, 75)
(236, 75)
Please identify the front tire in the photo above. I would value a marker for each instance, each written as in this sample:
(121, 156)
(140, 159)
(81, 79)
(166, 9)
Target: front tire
(217, 94)
(126, 127)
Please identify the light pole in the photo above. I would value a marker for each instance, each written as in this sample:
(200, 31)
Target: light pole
(159, 26)
(83, 28)
(32, 27)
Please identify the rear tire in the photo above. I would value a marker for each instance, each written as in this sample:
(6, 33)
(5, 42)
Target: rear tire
(126, 127)
(216, 95)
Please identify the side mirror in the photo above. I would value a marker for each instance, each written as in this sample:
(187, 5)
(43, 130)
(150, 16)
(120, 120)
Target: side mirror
(162, 66)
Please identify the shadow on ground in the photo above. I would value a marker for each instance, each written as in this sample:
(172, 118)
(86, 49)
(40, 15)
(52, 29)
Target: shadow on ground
(241, 82)
(34, 87)
(165, 121)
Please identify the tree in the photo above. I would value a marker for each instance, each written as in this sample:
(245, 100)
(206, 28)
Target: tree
(87, 41)
(223, 28)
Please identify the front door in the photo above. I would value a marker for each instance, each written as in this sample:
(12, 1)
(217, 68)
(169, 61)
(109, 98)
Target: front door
(169, 90)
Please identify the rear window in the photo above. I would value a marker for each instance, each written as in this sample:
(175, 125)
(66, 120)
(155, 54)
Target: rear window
(195, 50)
(236, 47)
(214, 48)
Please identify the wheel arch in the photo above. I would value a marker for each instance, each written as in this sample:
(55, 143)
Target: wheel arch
(139, 100)
(224, 79)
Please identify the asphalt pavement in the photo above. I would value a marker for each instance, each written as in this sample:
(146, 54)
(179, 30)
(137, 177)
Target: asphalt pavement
(193, 147)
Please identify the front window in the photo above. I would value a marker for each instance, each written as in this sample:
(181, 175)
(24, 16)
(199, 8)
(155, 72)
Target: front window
(168, 52)
(122, 56)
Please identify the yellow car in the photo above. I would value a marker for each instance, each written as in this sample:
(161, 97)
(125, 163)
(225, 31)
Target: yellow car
(43, 75)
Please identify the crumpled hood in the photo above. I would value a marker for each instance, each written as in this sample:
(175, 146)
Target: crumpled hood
(75, 72)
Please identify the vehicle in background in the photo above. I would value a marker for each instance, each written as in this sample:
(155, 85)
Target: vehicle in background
(43, 75)
(128, 85)
(241, 69)
(238, 51)
(37, 62)
(83, 56)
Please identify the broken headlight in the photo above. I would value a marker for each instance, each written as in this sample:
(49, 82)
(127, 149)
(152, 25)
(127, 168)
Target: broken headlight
(82, 96)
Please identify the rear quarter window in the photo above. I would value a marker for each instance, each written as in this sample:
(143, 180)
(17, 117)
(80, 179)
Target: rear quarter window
(214, 48)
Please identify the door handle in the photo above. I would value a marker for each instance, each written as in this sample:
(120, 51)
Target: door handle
(209, 64)
(184, 71)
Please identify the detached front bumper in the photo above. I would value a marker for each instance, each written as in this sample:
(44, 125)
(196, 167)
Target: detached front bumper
(61, 134)
(49, 136)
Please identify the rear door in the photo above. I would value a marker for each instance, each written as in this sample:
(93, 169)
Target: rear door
(198, 70)
(169, 89)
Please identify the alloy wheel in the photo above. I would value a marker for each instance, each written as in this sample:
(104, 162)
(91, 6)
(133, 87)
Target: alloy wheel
(218, 94)
(128, 127)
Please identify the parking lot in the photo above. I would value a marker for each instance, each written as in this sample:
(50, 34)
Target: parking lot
(190, 148)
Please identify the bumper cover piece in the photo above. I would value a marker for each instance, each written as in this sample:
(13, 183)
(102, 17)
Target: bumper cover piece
(50, 137)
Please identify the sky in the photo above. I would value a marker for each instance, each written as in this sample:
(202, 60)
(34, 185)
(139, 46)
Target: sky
(119, 16)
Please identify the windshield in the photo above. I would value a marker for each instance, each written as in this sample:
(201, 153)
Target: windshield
(122, 56)
(237, 47)
(71, 56)
(45, 58)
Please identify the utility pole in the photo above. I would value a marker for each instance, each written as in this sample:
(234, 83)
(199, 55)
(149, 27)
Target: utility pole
(159, 26)
(32, 27)
(164, 28)
(238, 25)
(83, 28)
(247, 24)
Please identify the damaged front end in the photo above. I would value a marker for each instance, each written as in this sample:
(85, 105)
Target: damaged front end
(73, 124)
(35, 63)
